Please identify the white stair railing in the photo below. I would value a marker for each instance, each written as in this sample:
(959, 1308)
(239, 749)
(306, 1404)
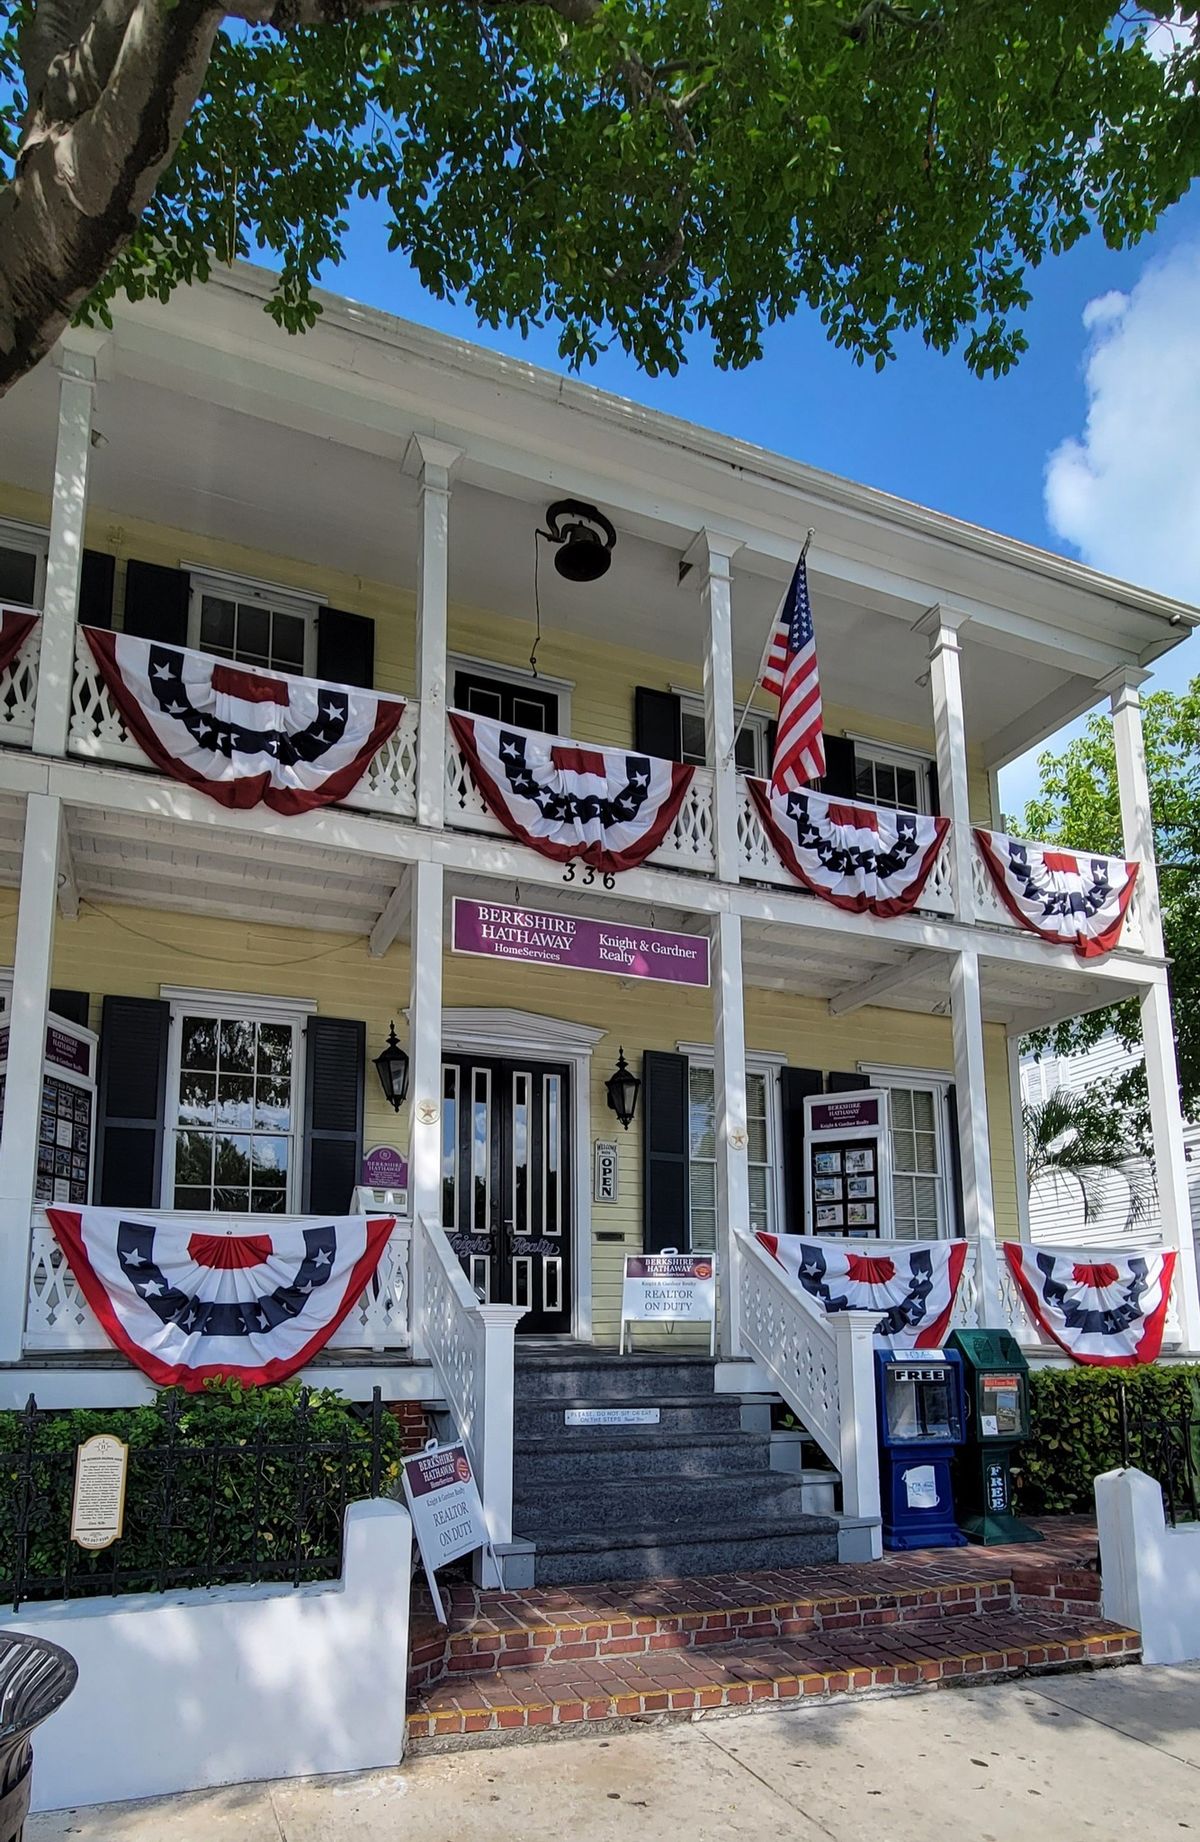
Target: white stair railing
(470, 1349)
(824, 1368)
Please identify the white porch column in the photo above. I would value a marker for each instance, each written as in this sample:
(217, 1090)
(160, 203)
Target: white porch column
(966, 1017)
(1016, 1103)
(64, 556)
(434, 463)
(729, 1118)
(712, 553)
(425, 1072)
(32, 962)
(1158, 1029)
(945, 676)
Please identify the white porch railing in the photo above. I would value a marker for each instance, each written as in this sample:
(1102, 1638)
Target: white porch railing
(59, 1318)
(687, 846)
(760, 861)
(98, 732)
(469, 1346)
(822, 1366)
(18, 691)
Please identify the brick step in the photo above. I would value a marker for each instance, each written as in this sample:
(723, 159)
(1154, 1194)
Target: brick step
(480, 1708)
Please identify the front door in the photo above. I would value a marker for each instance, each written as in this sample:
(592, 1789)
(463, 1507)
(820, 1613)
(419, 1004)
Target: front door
(506, 1190)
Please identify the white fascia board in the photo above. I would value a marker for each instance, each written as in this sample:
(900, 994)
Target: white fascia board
(397, 372)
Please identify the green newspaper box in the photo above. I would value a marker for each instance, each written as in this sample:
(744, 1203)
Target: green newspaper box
(996, 1376)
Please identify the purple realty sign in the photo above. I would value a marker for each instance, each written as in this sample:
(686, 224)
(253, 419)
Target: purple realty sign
(544, 938)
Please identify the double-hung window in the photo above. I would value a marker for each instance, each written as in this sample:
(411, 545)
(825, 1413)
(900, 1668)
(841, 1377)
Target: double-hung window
(253, 624)
(233, 1110)
(892, 777)
(751, 754)
(702, 1150)
(22, 565)
(920, 1155)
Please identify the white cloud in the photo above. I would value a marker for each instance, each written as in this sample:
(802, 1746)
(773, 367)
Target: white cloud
(1126, 491)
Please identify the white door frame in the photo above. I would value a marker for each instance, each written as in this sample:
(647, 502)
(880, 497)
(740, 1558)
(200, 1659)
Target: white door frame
(480, 1030)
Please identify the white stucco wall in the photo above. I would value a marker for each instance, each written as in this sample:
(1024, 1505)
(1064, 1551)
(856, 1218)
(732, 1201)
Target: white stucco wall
(185, 1690)
(1151, 1572)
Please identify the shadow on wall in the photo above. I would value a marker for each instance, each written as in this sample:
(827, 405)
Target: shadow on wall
(189, 1690)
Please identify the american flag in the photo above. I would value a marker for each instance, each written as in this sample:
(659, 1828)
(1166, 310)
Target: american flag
(791, 673)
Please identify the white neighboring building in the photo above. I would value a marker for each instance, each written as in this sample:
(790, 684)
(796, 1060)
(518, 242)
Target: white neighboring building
(1055, 1206)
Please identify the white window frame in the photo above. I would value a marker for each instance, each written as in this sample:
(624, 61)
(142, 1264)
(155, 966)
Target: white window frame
(887, 754)
(292, 601)
(759, 1062)
(937, 1083)
(32, 540)
(519, 676)
(757, 724)
(248, 1008)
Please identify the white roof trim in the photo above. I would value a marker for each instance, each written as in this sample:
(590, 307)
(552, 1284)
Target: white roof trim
(480, 1027)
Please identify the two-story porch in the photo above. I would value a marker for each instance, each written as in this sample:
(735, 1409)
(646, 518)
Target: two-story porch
(364, 509)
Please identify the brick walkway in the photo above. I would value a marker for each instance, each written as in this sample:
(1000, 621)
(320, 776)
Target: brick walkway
(546, 1659)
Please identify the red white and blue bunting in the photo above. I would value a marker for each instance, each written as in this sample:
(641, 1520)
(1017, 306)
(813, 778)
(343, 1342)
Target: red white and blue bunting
(1073, 898)
(244, 736)
(607, 807)
(857, 857)
(912, 1288)
(1108, 1309)
(186, 1304)
(16, 624)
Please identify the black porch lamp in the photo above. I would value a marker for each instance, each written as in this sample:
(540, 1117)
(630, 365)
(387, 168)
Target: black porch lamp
(391, 1065)
(623, 1088)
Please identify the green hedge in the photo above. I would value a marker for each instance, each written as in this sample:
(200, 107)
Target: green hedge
(232, 1482)
(1075, 1429)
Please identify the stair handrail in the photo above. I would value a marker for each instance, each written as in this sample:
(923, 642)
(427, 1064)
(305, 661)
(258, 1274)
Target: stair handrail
(470, 1346)
(823, 1366)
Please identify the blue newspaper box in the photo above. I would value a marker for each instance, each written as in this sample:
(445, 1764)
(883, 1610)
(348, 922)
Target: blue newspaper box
(922, 1415)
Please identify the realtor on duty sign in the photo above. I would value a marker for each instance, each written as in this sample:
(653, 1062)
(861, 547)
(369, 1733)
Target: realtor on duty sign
(670, 1288)
(541, 937)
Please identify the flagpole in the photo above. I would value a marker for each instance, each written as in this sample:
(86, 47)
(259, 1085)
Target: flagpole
(763, 660)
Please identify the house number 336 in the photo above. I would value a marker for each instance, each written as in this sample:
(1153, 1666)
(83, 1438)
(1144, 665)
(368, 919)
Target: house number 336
(607, 881)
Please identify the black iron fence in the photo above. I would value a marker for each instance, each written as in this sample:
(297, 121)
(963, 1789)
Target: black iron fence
(1162, 1438)
(217, 1491)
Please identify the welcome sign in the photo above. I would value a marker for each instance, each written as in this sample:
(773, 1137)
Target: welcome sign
(540, 937)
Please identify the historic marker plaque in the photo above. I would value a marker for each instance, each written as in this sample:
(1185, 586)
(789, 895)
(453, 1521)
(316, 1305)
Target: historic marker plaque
(98, 1509)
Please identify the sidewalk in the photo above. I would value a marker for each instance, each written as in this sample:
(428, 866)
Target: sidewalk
(1105, 1757)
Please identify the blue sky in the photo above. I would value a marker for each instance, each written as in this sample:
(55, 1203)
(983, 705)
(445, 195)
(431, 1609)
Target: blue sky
(1112, 372)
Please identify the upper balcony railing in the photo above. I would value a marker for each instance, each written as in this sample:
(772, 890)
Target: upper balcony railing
(98, 733)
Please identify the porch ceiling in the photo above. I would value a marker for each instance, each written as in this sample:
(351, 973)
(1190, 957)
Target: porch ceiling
(124, 858)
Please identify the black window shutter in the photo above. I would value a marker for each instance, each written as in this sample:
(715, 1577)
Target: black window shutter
(335, 1064)
(656, 723)
(73, 1005)
(665, 1190)
(772, 738)
(935, 804)
(96, 575)
(156, 602)
(795, 1085)
(958, 1211)
(839, 766)
(131, 1102)
(839, 1083)
(345, 648)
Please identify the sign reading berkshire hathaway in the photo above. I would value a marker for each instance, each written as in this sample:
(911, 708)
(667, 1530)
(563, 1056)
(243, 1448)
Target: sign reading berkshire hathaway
(497, 931)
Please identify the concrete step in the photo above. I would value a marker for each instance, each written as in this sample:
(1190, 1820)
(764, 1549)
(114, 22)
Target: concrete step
(573, 1556)
(662, 1504)
(679, 1414)
(599, 1375)
(625, 1452)
(483, 1708)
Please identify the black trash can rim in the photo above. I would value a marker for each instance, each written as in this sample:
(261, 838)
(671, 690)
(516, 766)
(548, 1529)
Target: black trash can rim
(29, 1694)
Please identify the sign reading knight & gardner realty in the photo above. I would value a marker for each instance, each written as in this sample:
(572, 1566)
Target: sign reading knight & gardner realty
(670, 1288)
(447, 1515)
(539, 936)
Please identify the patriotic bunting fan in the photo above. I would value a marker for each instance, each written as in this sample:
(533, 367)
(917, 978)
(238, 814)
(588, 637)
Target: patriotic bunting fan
(241, 735)
(185, 1304)
(1070, 897)
(1106, 1309)
(608, 807)
(16, 624)
(912, 1289)
(857, 857)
